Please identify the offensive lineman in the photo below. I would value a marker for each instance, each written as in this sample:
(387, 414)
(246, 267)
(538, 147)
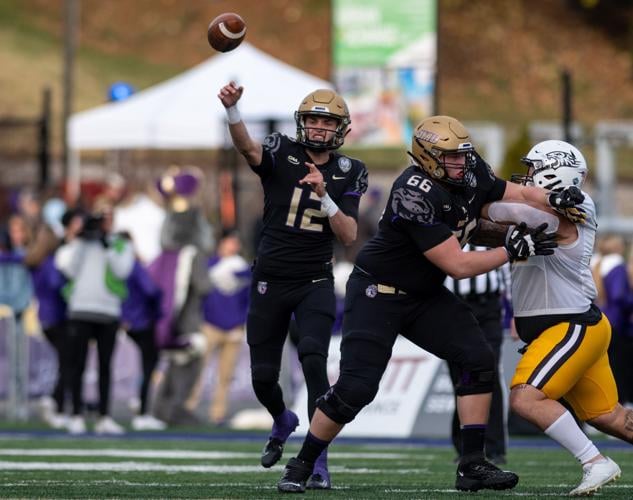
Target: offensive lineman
(397, 288)
(311, 195)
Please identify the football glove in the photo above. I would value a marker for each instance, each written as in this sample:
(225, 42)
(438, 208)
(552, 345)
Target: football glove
(567, 197)
(522, 242)
(565, 201)
(576, 215)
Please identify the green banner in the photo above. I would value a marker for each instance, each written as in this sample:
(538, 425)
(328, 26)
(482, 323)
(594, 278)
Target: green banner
(371, 32)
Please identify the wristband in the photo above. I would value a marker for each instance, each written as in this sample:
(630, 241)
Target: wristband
(328, 205)
(233, 115)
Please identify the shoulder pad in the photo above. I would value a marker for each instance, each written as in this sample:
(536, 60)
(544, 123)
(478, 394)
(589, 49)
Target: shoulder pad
(272, 142)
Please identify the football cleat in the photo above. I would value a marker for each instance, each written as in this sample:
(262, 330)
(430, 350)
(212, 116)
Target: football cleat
(595, 475)
(294, 477)
(272, 452)
(320, 478)
(282, 428)
(481, 474)
(319, 481)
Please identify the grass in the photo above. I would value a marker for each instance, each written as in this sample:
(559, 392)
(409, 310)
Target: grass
(211, 465)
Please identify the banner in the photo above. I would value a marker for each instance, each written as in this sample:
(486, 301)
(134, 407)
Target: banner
(384, 57)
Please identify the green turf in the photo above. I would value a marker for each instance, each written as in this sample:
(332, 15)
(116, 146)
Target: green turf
(61, 467)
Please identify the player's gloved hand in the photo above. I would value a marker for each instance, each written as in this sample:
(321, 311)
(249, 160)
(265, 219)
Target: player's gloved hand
(522, 242)
(565, 202)
(576, 215)
(567, 197)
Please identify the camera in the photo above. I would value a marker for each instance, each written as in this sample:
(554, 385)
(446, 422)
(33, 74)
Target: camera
(93, 227)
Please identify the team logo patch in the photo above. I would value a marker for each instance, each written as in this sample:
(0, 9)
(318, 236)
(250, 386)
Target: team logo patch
(293, 160)
(262, 287)
(371, 291)
(344, 164)
(428, 136)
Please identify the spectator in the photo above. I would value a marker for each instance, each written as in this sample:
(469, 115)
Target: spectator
(224, 312)
(16, 289)
(616, 300)
(139, 313)
(96, 263)
(180, 272)
(48, 282)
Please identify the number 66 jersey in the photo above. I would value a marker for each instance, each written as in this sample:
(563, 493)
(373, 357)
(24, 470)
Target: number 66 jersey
(297, 241)
(420, 214)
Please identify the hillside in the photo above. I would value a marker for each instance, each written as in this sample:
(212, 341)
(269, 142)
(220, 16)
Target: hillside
(499, 60)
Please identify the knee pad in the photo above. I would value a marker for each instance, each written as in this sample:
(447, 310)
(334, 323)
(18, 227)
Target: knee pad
(475, 382)
(264, 374)
(336, 409)
(310, 345)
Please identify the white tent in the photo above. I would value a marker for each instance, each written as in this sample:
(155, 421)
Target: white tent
(185, 113)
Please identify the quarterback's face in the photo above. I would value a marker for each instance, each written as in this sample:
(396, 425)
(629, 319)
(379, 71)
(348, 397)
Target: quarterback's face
(320, 128)
(454, 164)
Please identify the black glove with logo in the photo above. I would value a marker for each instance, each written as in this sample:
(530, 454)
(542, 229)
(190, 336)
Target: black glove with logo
(565, 202)
(567, 197)
(522, 242)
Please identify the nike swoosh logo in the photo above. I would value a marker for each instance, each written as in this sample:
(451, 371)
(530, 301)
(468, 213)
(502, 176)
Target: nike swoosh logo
(320, 279)
(334, 178)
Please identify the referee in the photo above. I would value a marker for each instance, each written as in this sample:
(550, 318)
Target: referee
(487, 295)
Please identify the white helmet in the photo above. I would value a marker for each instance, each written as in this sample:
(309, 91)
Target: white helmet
(554, 165)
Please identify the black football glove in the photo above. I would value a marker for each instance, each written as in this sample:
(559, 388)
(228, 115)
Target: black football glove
(567, 197)
(565, 202)
(522, 242)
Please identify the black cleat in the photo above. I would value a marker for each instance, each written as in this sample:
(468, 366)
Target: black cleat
(481, 474)
(283, 426)
(295, 475)
(319, 481)
(272, 452)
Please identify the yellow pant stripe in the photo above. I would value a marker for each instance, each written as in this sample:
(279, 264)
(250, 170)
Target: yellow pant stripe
(570, 361)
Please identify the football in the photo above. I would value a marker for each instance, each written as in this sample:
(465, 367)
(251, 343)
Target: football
(226, 32)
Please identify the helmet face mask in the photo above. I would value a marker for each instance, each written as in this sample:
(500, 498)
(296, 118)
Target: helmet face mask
(553, 165)
(323, 103)
(437, 143)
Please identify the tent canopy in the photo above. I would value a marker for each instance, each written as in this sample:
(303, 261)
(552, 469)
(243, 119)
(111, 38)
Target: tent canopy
(185, 113)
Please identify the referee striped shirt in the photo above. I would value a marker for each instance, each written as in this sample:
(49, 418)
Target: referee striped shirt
(496, 281)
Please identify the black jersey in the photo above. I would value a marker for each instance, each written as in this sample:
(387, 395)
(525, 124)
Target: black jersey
(297, 241)
(420, 214)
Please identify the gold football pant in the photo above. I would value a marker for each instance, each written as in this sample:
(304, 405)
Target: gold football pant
(570, 361)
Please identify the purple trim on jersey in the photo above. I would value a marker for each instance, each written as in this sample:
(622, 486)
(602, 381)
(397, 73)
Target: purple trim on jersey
(353, 193)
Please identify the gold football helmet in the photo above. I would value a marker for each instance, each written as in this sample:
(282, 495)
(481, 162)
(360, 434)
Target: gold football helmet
(323, 102)
(436, 136)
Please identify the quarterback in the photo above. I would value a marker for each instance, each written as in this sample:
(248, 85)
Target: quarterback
(311, 196)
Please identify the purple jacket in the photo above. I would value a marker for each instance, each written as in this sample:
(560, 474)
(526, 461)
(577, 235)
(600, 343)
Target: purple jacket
(47, 283)
(141, 308)
(226, 306)
(618, 296)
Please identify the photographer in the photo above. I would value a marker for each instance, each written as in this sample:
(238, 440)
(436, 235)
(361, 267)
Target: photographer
(96, 263)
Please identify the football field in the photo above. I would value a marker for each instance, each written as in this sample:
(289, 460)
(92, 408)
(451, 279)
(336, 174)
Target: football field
(169, 465)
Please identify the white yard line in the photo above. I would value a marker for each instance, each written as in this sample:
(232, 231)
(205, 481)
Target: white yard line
(183, 454)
